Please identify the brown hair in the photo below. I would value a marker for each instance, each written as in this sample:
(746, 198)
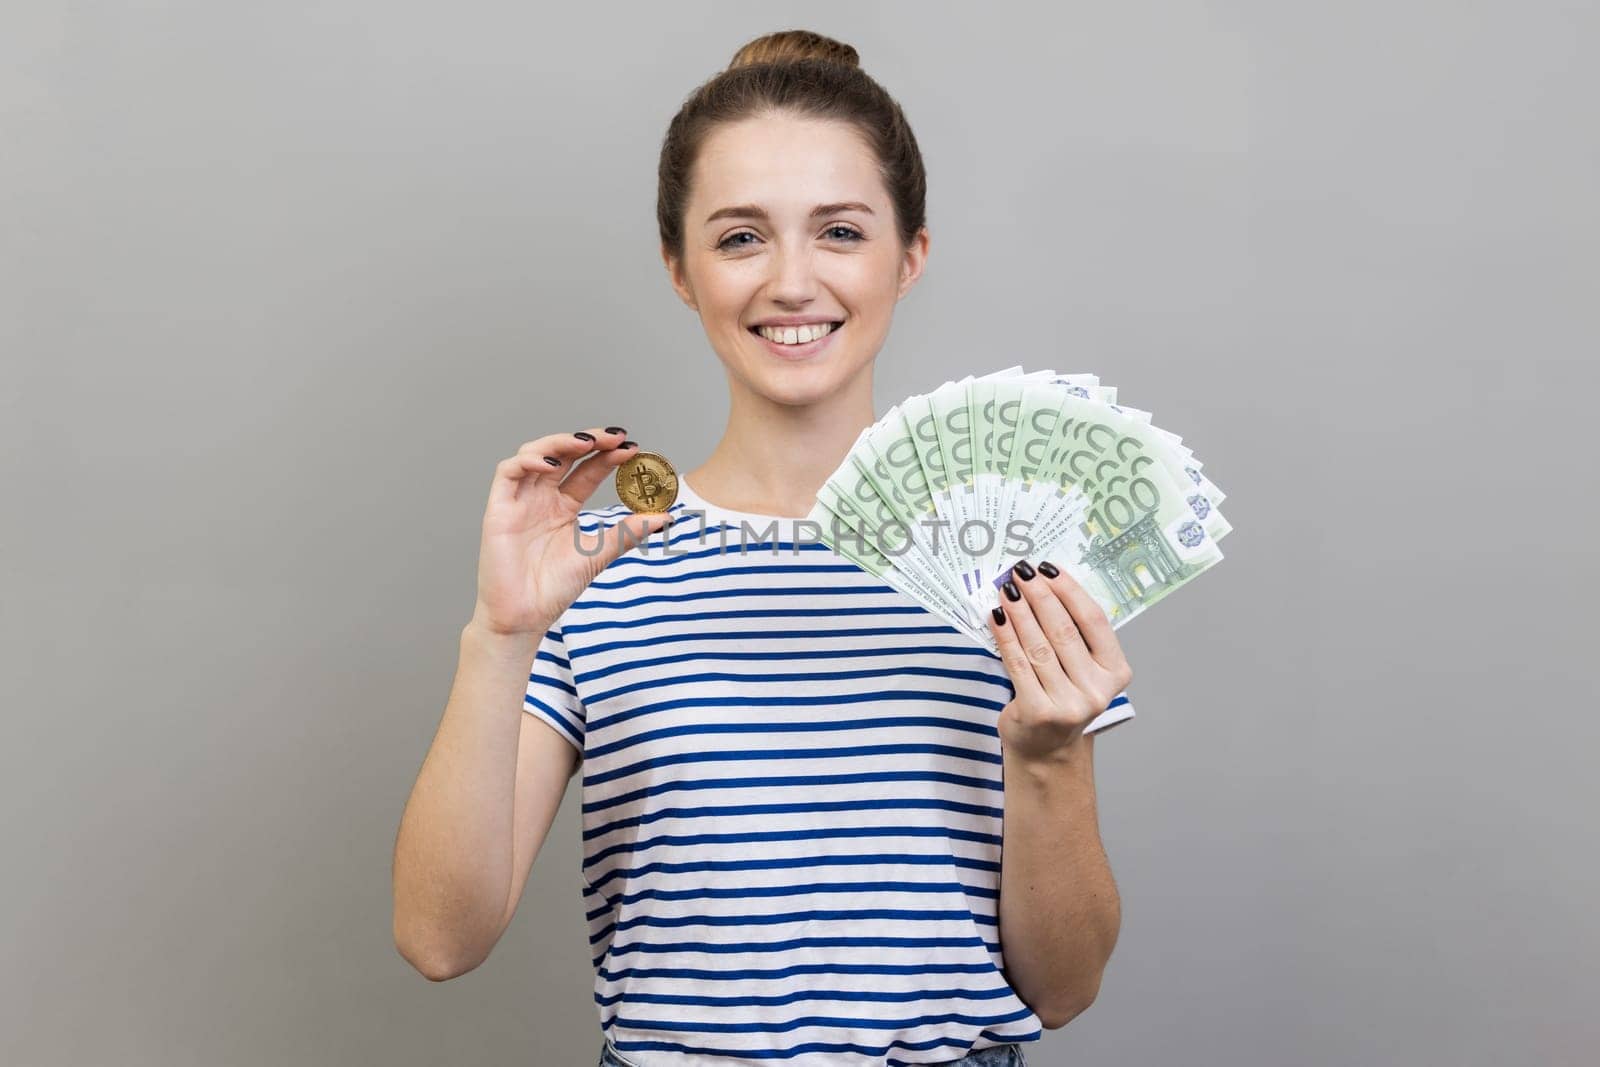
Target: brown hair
(808, 75)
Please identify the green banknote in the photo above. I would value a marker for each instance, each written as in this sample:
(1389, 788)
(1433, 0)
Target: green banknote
(1144, 533)
(945, 492)
(853, 539)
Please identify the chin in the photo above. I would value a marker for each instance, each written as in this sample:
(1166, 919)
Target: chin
(799, 386)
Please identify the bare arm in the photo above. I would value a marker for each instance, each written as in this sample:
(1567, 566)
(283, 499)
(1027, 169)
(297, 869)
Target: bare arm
(1059, 908)
(546, 762)
(482, 804)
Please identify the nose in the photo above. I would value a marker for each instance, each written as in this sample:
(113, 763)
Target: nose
(794, 277)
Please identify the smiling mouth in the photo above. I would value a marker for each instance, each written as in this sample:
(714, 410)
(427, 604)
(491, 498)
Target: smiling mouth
(833, 327)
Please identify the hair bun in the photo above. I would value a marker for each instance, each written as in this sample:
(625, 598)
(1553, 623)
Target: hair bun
(788, 46)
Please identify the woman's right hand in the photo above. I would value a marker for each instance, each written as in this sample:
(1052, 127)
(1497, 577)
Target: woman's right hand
(532, 564)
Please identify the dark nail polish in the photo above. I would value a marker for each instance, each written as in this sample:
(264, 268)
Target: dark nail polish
(582, 436)
(553, 461)
(615, 429)
(629, 444)
(1011, 590)
(1048, 569)
(1000, 616)
(1022, 570)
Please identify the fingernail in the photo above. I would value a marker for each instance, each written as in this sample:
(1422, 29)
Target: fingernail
(582, 436)
(1000, 616)
(1022, 570)
(1048, 569)
(553, 461)
(615, 429)
(1011, 590)
(629, 444)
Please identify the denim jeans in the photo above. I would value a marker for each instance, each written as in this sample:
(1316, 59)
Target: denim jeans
(997, 1056)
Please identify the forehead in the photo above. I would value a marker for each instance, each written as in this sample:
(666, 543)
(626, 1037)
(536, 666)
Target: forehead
(786, 163)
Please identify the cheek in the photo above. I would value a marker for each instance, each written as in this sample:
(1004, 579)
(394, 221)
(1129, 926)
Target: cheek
(875, 286)
(725, 287)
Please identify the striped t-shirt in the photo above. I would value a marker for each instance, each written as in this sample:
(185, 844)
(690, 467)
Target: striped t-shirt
(792, 803)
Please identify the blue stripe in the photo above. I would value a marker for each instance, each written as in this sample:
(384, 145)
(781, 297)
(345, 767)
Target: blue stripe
(647, 737)
(876, 1051)
(756, 947)
(554, 683)
(809, 833)
(725, 572)
(746, 974)
(596, 674)
(767, 678)
(551, 657)
(854, 778)
(745, 755)
(814, 915)
(662, 619)
(557, 718)
(865, 996)
(823, 699)
(846, 1022)
(707, 594)
(725, 811)
(794, 889)
(789, 863)
(748, 635)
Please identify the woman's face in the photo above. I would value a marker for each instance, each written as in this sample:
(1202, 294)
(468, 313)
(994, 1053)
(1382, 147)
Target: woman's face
(741, 267)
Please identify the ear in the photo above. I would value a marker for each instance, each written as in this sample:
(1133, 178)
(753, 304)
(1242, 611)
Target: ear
(916, 258)
(675, 274)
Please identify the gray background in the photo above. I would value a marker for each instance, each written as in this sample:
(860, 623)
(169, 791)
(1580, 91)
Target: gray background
(282, 283)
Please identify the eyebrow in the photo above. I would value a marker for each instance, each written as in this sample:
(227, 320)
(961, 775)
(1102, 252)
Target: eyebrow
(756, 211)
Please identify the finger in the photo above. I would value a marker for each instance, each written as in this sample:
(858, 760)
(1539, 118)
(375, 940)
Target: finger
(558, 451)
(567, 446)
(1036, 645)
(1098, 634)
(1058, 625)
(1023, 678)
(589, 471)
(514, 472)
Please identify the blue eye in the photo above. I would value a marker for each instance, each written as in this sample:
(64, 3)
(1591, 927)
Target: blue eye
(849, 235)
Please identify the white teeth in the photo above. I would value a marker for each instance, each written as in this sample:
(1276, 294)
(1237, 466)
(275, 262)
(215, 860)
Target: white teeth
(795, 335)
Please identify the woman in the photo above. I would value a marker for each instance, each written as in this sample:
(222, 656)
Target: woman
(794, 775)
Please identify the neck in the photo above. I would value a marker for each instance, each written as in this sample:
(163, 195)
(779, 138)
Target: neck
(773, 457)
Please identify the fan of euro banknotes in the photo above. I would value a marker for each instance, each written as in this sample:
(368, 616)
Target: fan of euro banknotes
(944, 493)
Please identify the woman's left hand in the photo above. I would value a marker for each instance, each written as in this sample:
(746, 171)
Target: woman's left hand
(1063, 658)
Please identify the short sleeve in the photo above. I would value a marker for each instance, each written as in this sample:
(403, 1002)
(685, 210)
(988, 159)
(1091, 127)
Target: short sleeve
(552, 692)
(1118, 711)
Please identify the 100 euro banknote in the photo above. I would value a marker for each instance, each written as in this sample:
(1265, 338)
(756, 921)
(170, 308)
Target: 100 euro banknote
(950, 488)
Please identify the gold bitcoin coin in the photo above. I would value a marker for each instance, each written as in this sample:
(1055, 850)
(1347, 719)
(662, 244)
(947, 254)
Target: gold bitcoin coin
(647, 482)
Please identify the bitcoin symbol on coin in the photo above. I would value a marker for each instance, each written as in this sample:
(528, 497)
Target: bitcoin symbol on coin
(647, 482)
